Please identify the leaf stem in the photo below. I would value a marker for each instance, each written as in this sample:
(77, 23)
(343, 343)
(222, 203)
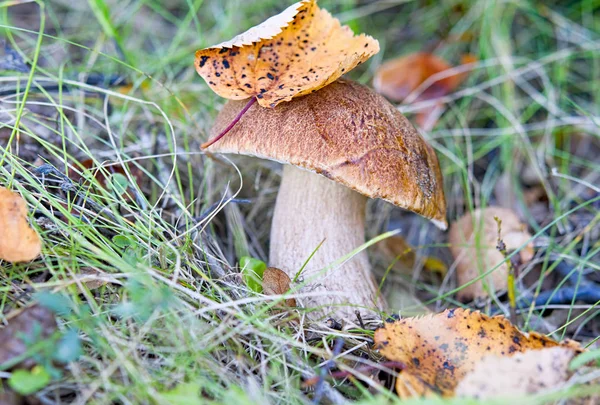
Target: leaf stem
(511, 287)
(235, 120)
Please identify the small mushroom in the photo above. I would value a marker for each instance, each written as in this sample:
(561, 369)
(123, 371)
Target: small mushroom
(341, 144)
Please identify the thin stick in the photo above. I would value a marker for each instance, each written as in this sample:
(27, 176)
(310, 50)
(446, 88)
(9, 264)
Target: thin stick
(235, 120)
(336, 375)
(360, 321)
(512, 293)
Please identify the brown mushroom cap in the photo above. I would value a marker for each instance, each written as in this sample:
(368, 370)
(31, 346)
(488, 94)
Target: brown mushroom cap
(347, 133)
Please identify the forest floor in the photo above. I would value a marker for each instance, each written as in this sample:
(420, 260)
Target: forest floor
(143, 232)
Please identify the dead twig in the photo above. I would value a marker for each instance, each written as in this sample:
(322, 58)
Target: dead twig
(336, 375)
(512, 273)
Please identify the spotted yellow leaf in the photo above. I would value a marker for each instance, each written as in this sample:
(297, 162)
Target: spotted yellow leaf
(439, 350)
(291, 54)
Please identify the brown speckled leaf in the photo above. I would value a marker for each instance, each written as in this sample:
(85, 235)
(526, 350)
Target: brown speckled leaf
(439, 350)
(18, 243)
(291, 54)
(277, 282)
(531, 372)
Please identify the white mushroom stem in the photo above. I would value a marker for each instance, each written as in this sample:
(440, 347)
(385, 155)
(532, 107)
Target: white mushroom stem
(309, 209)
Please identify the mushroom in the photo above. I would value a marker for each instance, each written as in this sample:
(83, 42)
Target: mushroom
(341, 144)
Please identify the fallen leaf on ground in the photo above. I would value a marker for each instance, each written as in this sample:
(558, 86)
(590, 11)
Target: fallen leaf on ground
(19, 242)
(399, 77)
(398, 249)
(105, 172)
(534, 195)
(291, 54)
(439, 350)
(91, 278)
(473, 239)
(8, 396)
(25, 323)
(276, 282)
(524, 373)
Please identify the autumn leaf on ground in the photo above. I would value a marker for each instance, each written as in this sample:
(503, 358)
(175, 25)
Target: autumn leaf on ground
(439, 350)
(473, 239)
(398, 78)
(398, 249)
(25, 323)
(291, 54)
(8, 396)
(525, 373)
(276, 282)
(89, 277)
(105, 174)
(19, 242)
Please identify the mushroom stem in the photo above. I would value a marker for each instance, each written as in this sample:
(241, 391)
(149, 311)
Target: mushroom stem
(309, 209)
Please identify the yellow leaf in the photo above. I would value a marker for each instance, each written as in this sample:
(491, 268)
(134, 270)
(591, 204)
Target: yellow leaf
(291, 54)
(435, 265)
(19, 243)
(439, 350)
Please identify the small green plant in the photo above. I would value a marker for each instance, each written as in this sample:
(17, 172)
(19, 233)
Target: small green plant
(252, 272)
(118, 183)
(27, 382)
(184, 394)
(45, 345)
(122, 241)
(133, 252)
